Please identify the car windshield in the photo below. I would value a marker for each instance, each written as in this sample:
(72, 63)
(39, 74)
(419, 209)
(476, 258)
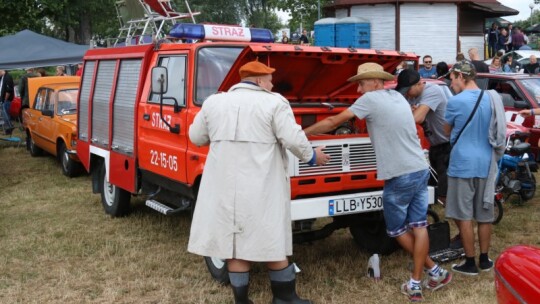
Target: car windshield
(533, 87)
(67, 102)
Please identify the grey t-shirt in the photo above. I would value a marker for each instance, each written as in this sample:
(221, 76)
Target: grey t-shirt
(392, 131)
(434, 97)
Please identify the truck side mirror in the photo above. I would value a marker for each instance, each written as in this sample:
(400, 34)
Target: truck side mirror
(159, 80)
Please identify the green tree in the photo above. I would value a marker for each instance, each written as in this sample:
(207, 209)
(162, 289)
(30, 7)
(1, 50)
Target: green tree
(304, 12)
(216, 11)
(19, 15)
(69, 20)
(260, 13)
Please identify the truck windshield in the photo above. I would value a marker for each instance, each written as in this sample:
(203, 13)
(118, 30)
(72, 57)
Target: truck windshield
(213, 64)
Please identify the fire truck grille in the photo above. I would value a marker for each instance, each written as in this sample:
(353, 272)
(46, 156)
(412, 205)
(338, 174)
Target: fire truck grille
(345, 157)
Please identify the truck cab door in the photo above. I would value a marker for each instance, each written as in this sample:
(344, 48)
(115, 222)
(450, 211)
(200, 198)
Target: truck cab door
(163, 125)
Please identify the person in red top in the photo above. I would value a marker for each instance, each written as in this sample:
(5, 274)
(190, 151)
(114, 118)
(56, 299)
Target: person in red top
(79, 69)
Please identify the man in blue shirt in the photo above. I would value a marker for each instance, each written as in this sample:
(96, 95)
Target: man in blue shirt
(469, 167)
(428, 71)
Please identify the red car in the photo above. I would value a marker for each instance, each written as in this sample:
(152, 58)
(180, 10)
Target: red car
(517, 275)
(15, 109)
(512, 125)
(518, 91)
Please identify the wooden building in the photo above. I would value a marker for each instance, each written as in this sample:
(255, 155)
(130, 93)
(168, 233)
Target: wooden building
(440, 28)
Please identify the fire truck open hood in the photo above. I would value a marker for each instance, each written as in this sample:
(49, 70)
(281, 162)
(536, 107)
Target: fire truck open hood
(314, 74)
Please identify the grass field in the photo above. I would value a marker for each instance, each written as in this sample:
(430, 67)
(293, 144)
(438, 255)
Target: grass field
(58, 246)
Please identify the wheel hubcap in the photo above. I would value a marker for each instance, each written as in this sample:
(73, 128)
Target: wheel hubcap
(65, 161)
(109, 192)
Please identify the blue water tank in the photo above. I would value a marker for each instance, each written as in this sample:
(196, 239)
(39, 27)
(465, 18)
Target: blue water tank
(325, 32)
(353, 32)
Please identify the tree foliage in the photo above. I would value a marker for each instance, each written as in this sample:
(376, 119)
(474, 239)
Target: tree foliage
(216, 11)
(80, 20)
(256, 13)
(303, 12)
(70, 20)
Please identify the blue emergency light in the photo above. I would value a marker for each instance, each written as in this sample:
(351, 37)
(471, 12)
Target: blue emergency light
(219, 32)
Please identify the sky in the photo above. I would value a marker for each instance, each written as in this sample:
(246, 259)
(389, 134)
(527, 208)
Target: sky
(520, 5)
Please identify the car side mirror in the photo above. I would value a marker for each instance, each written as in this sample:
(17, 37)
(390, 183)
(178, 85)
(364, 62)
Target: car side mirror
(49, 113)
(521, 104)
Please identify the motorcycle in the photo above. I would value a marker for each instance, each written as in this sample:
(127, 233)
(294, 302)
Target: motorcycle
(515, 178)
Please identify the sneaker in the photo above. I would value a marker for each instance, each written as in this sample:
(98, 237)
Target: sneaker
(434, 283)
(486, 265)
(414, 293)
(464, 269)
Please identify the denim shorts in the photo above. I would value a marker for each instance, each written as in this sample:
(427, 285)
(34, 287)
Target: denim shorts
(405, 202)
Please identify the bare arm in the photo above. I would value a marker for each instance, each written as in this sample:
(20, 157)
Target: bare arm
(420, 113)
(329, 123)
(528, 112)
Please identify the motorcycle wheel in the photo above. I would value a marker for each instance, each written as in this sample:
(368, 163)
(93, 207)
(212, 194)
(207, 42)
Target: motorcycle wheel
(528, 188)
(498, 210)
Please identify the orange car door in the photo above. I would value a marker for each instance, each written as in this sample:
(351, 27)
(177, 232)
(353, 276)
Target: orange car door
(34, 117)
(45, 125)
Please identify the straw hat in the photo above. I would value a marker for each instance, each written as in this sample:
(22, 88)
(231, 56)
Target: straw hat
(371, 70)
(255, 68)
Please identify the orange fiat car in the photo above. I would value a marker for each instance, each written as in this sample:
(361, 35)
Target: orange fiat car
(51, 120)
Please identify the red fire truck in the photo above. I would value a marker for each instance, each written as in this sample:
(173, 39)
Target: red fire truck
(136, 104)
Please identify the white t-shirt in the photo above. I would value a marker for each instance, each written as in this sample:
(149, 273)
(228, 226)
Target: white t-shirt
(392, 131)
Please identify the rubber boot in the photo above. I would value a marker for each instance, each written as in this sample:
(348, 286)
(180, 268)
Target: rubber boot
(284, 286)
(240, 287)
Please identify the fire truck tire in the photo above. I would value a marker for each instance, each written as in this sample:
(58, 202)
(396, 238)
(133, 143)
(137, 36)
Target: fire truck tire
(218, 269)
(70, 168)
(31, 145)
(372, 238)
(115, 201)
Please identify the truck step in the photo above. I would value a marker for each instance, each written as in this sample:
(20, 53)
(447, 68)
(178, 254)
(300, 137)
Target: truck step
(162, 208)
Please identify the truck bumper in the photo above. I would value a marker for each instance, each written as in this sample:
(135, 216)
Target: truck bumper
(336, 205)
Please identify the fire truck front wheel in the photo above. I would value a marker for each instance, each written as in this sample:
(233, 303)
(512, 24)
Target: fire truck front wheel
(115, 200)
(372, 238)
(218, 269)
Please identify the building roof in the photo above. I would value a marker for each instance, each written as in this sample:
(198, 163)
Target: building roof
(490, 7)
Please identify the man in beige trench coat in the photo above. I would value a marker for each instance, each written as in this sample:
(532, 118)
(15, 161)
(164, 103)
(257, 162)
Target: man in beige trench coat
(243, 207)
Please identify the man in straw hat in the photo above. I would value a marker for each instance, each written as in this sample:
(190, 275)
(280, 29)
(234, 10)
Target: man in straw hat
(243, 207)
(401, 164)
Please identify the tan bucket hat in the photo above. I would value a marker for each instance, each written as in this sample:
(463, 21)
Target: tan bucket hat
(371, 70)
